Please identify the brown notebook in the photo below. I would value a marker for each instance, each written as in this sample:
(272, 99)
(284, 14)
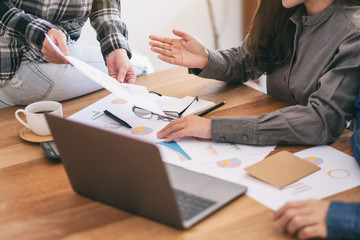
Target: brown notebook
(281, 169)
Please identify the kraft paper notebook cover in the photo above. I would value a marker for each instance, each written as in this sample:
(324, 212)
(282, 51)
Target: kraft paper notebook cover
(281, 169)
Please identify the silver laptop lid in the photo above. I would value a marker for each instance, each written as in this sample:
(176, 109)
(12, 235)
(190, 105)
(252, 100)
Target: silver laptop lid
(129, 174)
(115, 170)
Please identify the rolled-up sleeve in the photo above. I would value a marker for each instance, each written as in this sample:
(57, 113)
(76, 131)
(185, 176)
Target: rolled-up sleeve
(111, 30)
(230, 65)
(23, 27)
(320, 120)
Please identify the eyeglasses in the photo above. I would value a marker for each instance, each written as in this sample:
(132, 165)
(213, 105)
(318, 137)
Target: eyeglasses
(170, 115)
(179, 114)
(159, 94)
(144, 113)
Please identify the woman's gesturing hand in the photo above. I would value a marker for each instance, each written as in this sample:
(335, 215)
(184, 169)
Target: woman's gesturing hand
(186, 51)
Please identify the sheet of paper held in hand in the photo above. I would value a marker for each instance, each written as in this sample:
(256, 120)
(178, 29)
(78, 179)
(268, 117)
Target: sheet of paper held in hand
(136, 94)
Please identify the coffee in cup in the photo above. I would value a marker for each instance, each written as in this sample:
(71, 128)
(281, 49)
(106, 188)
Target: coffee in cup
(35, 116)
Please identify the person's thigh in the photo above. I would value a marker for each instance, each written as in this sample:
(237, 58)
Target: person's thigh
(46, 81)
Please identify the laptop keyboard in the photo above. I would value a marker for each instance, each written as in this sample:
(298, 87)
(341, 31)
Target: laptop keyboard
(190, 204)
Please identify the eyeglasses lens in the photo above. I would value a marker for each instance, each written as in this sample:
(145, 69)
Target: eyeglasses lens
(142, 112)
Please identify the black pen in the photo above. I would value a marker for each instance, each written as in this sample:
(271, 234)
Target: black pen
(115, 118)
(211, 109)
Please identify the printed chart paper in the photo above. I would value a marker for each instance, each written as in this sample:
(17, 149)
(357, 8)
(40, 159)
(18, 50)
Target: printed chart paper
(339, 171)
(188, 151)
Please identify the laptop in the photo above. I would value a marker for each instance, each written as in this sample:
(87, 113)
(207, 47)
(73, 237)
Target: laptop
(129, 174)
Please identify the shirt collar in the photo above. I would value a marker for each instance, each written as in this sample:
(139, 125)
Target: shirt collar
(300, 16)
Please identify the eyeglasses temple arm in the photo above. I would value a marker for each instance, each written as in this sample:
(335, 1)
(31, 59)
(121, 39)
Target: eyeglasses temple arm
(182, 112)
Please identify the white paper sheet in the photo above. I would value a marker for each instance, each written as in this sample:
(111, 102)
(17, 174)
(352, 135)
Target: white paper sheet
(339, 171)
(190, 151)
(136, 94)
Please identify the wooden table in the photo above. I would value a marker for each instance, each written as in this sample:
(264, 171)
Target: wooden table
(37, 201)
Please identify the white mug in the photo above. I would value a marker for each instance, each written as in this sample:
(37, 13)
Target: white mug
(35, 116)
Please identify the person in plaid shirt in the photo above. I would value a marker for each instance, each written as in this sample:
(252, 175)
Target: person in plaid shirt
(30, 70)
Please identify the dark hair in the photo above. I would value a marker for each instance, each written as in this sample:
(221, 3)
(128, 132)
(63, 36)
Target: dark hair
(270, 40)
(271, 36)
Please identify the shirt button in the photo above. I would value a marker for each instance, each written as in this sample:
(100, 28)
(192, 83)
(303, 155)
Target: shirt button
(245, 138)
(284, 78)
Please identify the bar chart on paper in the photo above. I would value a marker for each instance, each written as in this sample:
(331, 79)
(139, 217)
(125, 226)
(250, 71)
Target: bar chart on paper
(96, 114)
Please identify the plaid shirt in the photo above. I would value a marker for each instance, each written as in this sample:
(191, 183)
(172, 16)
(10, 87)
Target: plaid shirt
(24, 22)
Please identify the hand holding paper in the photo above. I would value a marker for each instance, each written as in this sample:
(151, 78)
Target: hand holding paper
(55, 55)
(136, 94)
(119, 66)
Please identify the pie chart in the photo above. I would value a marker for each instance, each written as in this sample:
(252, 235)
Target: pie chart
(118, 101)
(141, 131)
(229, 163)
(314, 160)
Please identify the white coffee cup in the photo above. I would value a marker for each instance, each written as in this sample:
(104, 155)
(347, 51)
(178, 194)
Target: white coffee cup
(35, 116)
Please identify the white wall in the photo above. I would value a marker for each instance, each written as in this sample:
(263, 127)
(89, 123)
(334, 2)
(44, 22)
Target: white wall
(145, 17)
